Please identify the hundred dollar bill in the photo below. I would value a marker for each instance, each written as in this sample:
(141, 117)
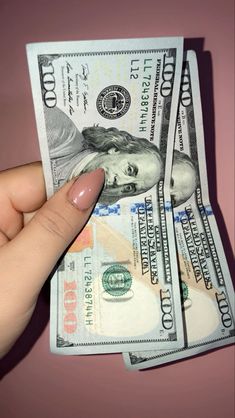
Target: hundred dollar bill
(113, 104)
(206, 286)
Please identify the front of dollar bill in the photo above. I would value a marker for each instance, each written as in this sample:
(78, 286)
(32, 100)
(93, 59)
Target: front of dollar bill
(113, 104)
(206, 285)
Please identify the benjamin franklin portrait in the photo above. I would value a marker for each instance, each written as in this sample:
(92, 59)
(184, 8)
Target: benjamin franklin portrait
(132, 165)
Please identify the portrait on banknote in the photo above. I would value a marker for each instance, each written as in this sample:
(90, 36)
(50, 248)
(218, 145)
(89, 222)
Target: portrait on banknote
(132, 165)
(183, 178)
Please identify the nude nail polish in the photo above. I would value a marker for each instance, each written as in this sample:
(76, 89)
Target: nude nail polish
(86, 189)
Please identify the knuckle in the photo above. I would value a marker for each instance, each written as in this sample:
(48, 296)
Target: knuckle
(55, 223)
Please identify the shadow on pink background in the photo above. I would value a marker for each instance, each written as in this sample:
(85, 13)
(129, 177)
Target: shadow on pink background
(35, 382)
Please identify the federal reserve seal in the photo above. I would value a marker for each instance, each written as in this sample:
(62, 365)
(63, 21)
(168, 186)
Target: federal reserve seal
(113, 102)
(117, 280)
(184, 291)
(187, 302)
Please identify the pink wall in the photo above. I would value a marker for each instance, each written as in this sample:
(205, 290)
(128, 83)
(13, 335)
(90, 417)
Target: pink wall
(36, 383)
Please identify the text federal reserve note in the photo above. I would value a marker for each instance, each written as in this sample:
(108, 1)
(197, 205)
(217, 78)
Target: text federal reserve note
(113, 104)
(206, 286)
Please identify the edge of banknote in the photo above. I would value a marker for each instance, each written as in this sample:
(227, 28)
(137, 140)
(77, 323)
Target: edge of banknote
(143, 360)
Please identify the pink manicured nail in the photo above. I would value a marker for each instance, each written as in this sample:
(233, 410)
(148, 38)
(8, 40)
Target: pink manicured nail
(86, 189)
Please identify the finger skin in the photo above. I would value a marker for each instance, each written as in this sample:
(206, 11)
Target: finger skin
(28, 259)
(22, 190)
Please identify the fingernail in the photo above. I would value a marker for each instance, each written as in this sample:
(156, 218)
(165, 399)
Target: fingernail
(86, 189)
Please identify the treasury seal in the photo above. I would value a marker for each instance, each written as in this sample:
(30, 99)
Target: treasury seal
(113, 102)
(116, 280)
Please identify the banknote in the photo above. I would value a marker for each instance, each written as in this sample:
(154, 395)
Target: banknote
(113, 104)
(206, 286)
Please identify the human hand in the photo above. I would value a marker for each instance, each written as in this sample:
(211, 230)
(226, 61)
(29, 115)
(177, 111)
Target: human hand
(33, 235)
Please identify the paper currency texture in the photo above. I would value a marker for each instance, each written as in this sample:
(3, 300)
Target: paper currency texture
(206, 286)
(113, 104)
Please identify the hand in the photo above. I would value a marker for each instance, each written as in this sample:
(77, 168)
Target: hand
(33, 235)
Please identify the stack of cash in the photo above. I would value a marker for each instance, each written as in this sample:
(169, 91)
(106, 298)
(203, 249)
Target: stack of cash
(147, 276)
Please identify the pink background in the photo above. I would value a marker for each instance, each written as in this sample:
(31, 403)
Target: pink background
(36, 383)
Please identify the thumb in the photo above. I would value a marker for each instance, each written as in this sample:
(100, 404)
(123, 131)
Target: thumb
(28, 259)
